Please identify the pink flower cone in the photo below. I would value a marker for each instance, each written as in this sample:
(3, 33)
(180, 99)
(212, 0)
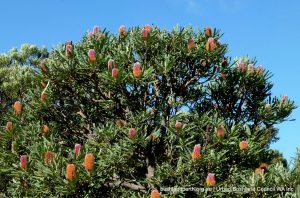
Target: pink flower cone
(144, 34)
(92, 55)
(122, 30)
(77, 149)
(259, 70)
(250, 68)
(197, 149)
(114, 72)
(23, 162)
(137, 72)
(241, 67)
(210, 180)
(132, 133)
(284, 98)
(110, 64)
(96, 29)
(147, 27)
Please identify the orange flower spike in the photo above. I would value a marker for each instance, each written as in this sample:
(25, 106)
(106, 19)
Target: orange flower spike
(210, 44)
(221, 131)
(210, 180)
(208, 32)
(69, 50)
(18, 107)
(45, 129)
(48, 157)
(120, 123)
(144, 34)
(43, 96)
(178, 125)
(122, 31)
(147, 27)
(263, 166)
(43, 84)
(259, 171)
(155, 194)
(191, 44)
(223, 76)
(244, 145)
(89, 162)
(9, 126)
(137, 71)
(92, 55)
(259, 70)
(196, 152)
(43, 66)
(70, 172)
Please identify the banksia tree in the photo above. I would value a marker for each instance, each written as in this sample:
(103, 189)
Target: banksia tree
(152, 109)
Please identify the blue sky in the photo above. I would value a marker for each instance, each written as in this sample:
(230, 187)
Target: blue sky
(268, 30)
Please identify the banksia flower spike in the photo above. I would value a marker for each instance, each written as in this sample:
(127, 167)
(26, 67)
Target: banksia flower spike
(110, 64)
(114, 72)
(241, 67)
(147, 27)
(122, 31)
(263, 166)
(92, 55)
(23, 162)
(259, 70)
(223, 76)
(18, 107)
(120, 123)
(284, 99)
(250, 68)
(89, 162)
(45, 129)
(9, 126)
(208, 32)
(210, 180)
(77, 149)
(132, 133)
(155, 194)
(210, 44)
(43, 96)
(69, 50)
(221, 131)
(48, 157)
(196, 152)
(137, 71)
(43, 84)
(191, 44)
(96, 30)
(244, 145)
(70, 172)
(178, 125)
(259, 171)
(144, 34)
(43, 66)
(90, 35)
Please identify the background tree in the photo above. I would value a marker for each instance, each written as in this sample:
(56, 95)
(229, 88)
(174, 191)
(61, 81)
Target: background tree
(19, 73)
(123, 115)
